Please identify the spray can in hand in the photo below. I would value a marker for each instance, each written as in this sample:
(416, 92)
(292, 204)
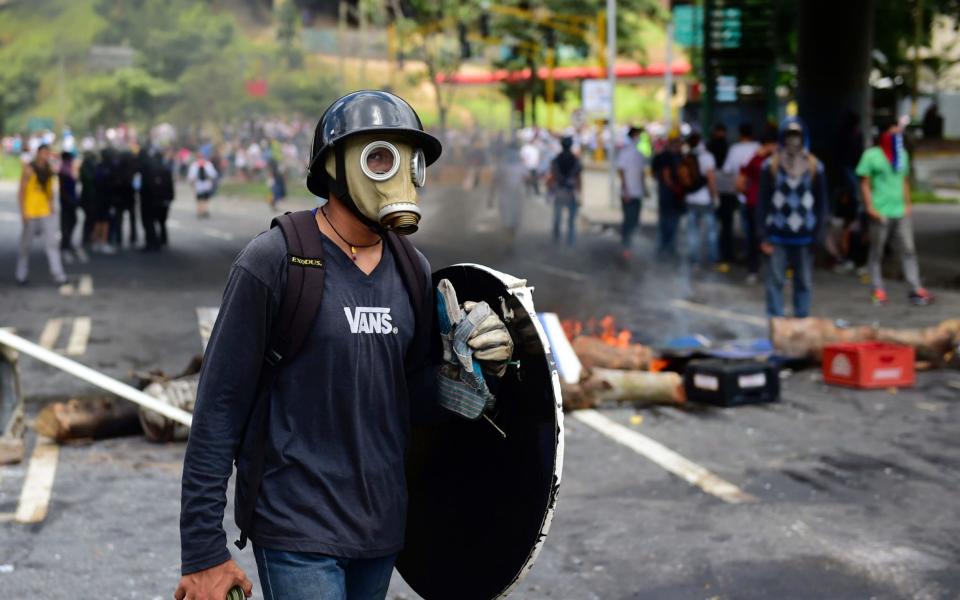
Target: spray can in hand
(236, 593)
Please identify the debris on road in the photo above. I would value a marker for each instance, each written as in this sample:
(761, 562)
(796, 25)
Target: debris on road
(869, 365)
(11, 409)
(731, 382)
(595, 352)
(620, 386)
(808, 337)
(93, 418)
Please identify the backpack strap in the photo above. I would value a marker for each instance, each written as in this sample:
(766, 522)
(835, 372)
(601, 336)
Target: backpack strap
(298, 309)
(305, 275)
(415, 280)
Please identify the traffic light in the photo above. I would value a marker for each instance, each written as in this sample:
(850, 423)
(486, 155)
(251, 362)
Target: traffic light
(485, 25)
(465, 50)
(549, 38)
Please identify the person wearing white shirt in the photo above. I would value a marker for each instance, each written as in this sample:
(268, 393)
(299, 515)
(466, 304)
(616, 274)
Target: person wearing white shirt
(202, 175)
(530, 156)
(701, 203)
(738, 157)
(631, 165)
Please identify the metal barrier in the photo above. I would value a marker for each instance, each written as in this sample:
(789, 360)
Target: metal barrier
(28, 348)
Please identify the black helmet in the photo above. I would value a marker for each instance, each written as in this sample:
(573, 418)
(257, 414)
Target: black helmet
(366, 111)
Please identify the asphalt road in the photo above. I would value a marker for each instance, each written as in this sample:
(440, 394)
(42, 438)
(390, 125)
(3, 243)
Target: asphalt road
(855, 491)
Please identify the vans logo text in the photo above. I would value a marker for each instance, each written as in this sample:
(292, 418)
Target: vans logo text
(366, 319)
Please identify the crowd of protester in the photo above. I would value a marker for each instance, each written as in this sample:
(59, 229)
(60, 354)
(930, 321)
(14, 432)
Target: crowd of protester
(761, 200)
(105, 192)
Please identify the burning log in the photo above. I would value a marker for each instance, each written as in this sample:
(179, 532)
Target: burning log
(595, 352)
(624, 386)
(88, 419)
(807, 337)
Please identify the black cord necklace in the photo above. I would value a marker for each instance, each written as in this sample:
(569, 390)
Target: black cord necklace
(353, 247)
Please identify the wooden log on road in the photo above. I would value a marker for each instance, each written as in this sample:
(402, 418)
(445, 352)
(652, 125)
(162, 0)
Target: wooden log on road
(600, 386)
(96, 418)
(595, 352)
(807, 337)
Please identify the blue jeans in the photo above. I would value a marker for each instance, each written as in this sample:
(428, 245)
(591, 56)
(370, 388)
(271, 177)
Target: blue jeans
(631, 220)
(570, 205)
(800, 259)
(667, 222)
(700, 218)
(293, 575)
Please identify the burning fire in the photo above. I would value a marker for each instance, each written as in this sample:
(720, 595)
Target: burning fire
(605, 329)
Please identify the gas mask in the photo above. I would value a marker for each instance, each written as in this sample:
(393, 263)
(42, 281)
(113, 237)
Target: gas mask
(383, 173)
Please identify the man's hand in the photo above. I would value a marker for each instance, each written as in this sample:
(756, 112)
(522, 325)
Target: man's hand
(213, 583)
(491, 342)
(766, 248)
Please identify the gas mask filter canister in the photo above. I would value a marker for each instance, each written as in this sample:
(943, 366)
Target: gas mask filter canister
(383, 174)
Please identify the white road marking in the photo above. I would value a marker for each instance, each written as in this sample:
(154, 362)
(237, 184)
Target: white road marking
(719, 312)
(685, 469)
(85, 287)
(38, 485)
(559, 272)
(79, 336)
(67, 289)
(51, 333)
(9, 217)
(223, 235)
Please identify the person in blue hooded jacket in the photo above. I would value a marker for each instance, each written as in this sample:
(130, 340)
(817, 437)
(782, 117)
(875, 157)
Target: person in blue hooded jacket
(791, 211)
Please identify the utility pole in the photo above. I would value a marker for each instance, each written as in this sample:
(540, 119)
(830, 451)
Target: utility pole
(668, 79)
(612, 79)
(917, 35)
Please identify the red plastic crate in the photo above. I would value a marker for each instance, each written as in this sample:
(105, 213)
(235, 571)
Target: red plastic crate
(869, 365)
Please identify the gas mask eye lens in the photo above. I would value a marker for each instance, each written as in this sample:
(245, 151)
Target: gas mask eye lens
(418, 168)
(380, 160)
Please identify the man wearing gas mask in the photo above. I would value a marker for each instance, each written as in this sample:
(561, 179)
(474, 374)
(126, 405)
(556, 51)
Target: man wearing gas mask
(313, 400)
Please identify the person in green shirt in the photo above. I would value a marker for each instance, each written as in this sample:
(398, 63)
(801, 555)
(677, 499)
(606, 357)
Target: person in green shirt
(884, 183)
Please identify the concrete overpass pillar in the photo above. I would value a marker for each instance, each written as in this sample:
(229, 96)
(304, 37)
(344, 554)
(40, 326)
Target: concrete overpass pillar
(833, 61)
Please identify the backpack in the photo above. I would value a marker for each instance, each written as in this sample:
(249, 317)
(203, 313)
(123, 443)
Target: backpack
(688, 173)
(298, 310)
(202, 173)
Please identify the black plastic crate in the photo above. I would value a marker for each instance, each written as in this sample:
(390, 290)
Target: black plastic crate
(731, 382)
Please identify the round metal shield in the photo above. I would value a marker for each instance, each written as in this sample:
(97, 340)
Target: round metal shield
(481, 502)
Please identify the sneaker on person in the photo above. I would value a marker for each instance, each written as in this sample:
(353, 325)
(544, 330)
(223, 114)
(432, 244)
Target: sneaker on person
(879, 297)
(107, 249)
(921, 297)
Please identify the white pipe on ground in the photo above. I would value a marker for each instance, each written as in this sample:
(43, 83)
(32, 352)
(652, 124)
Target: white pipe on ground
(94, 377)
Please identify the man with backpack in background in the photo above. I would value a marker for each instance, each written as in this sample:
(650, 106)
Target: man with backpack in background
(731, 200)
(203, 176)
(670, 194)
(697, 175)
(565, 184)
(631, 165)
(313, 400)
(791, 210)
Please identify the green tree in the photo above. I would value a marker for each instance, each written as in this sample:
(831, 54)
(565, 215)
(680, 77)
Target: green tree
(130, 95)
(428, 31)
(529, 36)
(288, 34)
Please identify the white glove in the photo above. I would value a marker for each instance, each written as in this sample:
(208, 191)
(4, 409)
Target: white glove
(491, 342)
